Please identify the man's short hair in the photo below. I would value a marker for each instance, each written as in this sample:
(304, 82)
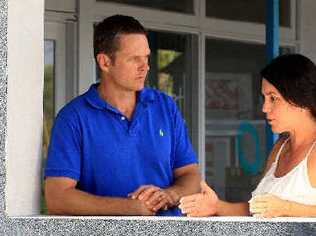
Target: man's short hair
(107, 33)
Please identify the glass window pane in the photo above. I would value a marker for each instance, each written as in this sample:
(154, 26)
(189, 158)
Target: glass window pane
(183, 6)
(246, 10)
(48, 101)
(235, 126)
(172, 69)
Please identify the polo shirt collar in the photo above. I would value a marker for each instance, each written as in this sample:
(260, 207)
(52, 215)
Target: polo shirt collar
(145, 96)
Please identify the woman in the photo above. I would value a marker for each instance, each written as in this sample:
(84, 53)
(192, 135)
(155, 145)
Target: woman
(288, 187)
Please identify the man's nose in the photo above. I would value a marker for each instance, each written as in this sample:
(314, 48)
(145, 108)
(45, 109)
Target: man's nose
(144, 66)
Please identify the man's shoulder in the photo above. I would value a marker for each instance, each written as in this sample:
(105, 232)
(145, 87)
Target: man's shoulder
(157, 95)
(74, 106)
(155, 92)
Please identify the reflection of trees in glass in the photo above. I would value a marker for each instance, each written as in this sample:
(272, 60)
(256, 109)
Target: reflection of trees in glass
(48, 103)
(165, 79)
(48, 107)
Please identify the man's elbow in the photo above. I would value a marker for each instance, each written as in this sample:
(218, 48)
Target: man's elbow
(54, 201)
(54, 204)
(57, 193)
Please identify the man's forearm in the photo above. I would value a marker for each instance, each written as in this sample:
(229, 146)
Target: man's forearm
(76, 202)
(185, 184)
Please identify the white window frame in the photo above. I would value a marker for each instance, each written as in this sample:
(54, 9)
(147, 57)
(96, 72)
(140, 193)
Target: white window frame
(59, 27)
(60, 5)
(56, 32)
(91, 11)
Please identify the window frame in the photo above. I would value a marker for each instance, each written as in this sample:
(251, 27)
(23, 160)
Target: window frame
(197, 23)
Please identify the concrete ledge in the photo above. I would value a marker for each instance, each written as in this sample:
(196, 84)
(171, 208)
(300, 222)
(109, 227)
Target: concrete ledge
(43, 225)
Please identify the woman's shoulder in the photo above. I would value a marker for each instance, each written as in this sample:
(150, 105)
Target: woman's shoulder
(275, 150)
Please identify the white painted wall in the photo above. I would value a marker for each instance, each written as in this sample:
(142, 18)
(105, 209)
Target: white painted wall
(25, 104)
(307, 28)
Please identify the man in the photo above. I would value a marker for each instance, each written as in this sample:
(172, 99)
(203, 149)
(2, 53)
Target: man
(120, 148)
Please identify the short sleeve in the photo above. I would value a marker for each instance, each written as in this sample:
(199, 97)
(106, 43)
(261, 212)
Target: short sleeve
(64, 155)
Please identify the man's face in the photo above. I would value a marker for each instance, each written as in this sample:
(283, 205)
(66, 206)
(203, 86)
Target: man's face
(128, 70)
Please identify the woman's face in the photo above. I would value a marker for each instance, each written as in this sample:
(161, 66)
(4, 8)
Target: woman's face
(281, 115)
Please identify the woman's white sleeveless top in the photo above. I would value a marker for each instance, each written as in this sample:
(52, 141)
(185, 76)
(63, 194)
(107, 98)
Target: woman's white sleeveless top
(294, 186)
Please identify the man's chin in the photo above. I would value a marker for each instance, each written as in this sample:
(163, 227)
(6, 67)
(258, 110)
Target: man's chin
(139, 88)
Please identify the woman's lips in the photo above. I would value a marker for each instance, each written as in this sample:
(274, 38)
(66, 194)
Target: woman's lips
(270, 120)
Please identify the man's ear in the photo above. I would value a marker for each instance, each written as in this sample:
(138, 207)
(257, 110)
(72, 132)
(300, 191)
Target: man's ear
(104, 62)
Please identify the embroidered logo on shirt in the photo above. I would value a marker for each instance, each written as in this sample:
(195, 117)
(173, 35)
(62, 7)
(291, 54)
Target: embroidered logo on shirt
(161, 132)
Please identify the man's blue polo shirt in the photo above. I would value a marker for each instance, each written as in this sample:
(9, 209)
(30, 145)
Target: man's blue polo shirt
(109, 155)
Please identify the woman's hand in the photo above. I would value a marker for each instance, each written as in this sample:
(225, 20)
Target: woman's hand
(269, 205)
(200, 204)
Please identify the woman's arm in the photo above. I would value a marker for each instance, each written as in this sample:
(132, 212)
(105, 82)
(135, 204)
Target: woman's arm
(269, 206)
(232, 209)
(207, 203)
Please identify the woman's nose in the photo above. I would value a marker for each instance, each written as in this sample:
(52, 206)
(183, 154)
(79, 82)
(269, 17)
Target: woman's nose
(265, 107)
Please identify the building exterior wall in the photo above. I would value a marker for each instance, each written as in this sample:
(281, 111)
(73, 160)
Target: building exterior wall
(24, 106)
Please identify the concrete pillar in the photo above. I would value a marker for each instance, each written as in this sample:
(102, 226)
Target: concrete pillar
(24, 106)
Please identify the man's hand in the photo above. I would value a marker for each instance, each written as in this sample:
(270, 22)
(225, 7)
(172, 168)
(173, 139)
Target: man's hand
(269, 205)
(200, 204)
(143, 209)
(154, 197)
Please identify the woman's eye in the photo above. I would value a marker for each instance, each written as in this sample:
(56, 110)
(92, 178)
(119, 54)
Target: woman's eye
(273, 99)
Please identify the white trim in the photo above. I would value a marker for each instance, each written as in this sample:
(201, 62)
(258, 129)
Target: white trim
(197, 6)
(293, 18)
(179, 22)
(85, 45)
(298, 26)
(198, 23)
(201, 102)
(102, 9)
(61, 5)
(61, 17)
(71, 60)
(234, 122)
(244, 30)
